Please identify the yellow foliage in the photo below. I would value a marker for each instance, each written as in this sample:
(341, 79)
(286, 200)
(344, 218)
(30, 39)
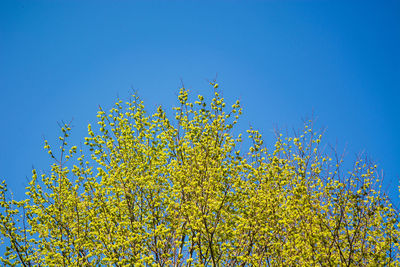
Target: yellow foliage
(150, 191)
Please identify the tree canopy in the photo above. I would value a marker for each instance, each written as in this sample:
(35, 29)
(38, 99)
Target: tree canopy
(182, 190)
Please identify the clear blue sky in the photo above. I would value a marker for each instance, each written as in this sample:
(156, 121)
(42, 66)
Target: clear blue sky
(284, 60)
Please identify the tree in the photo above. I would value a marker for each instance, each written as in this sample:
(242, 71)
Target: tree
(147, 190)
